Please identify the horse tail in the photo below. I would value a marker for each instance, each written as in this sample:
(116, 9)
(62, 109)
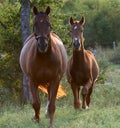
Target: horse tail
(61, 92)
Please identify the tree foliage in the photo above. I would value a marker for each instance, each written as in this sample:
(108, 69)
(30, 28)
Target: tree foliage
(102, 20)
(10, 45)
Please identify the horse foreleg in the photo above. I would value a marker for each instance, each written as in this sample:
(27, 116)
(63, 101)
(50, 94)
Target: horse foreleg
(53, 88)
(76, 93)
(35, 101)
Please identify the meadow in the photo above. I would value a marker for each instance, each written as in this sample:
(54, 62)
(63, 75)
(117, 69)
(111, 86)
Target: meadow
(101, 29)
(104, 110)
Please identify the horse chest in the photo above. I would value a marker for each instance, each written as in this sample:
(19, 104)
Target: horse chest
(43, 72)
(79, 75)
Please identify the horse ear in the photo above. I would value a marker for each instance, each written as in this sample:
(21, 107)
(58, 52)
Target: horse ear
(71, 20)
(35, 10)
(82, 21)
(47, 10)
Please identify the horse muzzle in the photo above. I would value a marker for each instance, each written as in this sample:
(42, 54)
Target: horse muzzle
(76, 44)
(42, 46)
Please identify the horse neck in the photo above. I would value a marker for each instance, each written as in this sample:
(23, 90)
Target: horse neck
(78, 57)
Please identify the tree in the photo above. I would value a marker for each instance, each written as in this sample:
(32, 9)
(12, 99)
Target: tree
(25, 25)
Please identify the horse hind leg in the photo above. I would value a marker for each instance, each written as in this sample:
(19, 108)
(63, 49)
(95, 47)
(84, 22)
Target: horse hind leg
(46, 111)
(86, 92)
(88, 99)
(76, 93)
(48, 101)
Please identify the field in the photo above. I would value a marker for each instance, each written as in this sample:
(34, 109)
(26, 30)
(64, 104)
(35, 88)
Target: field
(104, 111)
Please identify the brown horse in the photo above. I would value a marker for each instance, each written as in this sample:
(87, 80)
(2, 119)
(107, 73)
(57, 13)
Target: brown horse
(82, 69)
(44, 60)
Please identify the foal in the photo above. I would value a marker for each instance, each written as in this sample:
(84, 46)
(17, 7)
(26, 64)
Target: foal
(82, 69)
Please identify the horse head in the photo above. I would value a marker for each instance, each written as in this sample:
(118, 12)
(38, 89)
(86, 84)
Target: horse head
(42, 28)
(77, 33)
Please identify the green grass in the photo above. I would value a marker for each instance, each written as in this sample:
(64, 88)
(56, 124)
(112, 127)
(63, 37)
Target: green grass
(65, 117)
(104, 110)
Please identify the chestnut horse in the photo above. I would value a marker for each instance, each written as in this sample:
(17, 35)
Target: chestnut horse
(82, 69)
(44, 60)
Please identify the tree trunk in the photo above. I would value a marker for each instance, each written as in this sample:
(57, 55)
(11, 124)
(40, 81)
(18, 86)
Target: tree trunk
(25, 25)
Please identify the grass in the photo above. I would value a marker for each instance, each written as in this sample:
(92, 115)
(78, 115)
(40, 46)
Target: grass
(65, 117)
(104, 111)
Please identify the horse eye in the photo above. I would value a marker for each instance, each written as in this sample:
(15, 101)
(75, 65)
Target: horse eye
(41, 21)
(81, 30)
(70, 31)
(35, 36)
(49, 27)
(34, 28)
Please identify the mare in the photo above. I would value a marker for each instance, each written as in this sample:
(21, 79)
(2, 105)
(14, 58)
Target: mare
(82, 69)
(44, 60)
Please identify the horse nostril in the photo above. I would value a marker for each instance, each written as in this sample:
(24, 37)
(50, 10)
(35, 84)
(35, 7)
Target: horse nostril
(45, 44)
(38, 44)
(76, 44)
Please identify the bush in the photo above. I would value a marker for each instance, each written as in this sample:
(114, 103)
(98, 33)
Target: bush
(103, 62)
(115, 56)
(10, 45)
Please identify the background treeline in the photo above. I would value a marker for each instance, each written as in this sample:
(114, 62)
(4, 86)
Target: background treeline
(101, 29)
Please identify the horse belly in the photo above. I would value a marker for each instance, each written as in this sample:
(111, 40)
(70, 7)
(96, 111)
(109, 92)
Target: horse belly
(78, 77)
(43, 76)
(95, 71)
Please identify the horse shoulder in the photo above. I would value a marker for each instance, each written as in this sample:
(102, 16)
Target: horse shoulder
(61, 49)
(28, 38)
(93, 63)
(26, 54)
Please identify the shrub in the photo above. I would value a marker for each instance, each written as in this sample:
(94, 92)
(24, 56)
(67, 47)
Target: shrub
(115, 56)
(103, 62)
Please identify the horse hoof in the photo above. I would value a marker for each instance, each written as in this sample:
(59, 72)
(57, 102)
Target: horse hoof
(85, 107)
(35, 119)
(50, 126)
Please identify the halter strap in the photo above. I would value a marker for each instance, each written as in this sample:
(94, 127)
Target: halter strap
(38, 36)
